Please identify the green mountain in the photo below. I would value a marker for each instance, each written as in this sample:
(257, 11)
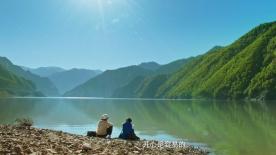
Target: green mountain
(13, 85)
(43, 84)
(142, 87)
(149, 86)
(98, 71)
(244, 69)
(174, 66)
(121, 82)
(104, 84)
(149, 65)
(44, 71)
(69, 79)
(128, 90)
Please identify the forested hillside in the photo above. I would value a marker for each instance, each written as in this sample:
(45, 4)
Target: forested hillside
(13, 85)
(43, 84)
(118, 83)
(148, 87)
(244, 69)
(128, 90)
(104, 84)
(174, 66)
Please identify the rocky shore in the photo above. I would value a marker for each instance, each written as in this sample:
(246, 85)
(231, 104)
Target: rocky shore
(21, 140)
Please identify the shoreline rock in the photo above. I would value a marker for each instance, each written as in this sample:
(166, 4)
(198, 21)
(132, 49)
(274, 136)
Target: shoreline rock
(35, 141)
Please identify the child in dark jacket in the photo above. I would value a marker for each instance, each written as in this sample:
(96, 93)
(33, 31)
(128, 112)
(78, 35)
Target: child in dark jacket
(128, 131)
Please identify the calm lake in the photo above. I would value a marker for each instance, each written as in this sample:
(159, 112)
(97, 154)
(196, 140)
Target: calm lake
(224, 127)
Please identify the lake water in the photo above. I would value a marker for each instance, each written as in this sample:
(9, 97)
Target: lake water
(224, 127)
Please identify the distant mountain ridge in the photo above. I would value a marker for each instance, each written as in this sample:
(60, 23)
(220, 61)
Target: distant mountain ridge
(42, 84)
(142, 87)
(149, 65)
(69, 79)
(44, 71)
(63, 79)
(245, 69)
(173, 66)
(13, 85)
(104, 84)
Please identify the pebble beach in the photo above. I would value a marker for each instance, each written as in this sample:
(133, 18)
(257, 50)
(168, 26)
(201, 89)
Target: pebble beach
(21, 140)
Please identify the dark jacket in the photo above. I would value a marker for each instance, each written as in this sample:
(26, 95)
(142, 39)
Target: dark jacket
(127, 129)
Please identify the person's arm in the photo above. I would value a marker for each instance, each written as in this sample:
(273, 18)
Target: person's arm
(109, 124)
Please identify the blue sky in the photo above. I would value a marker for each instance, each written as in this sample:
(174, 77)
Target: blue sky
(109, 34)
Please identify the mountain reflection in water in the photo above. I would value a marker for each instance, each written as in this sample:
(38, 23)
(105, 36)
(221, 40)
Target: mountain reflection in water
(231, 127)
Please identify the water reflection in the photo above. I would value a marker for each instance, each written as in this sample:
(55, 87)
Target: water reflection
(12, 108)
(231, 127)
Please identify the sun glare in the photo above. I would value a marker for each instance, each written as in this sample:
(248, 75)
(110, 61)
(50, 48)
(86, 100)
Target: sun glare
(106, 13)
(96, 4)
(88, 4)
